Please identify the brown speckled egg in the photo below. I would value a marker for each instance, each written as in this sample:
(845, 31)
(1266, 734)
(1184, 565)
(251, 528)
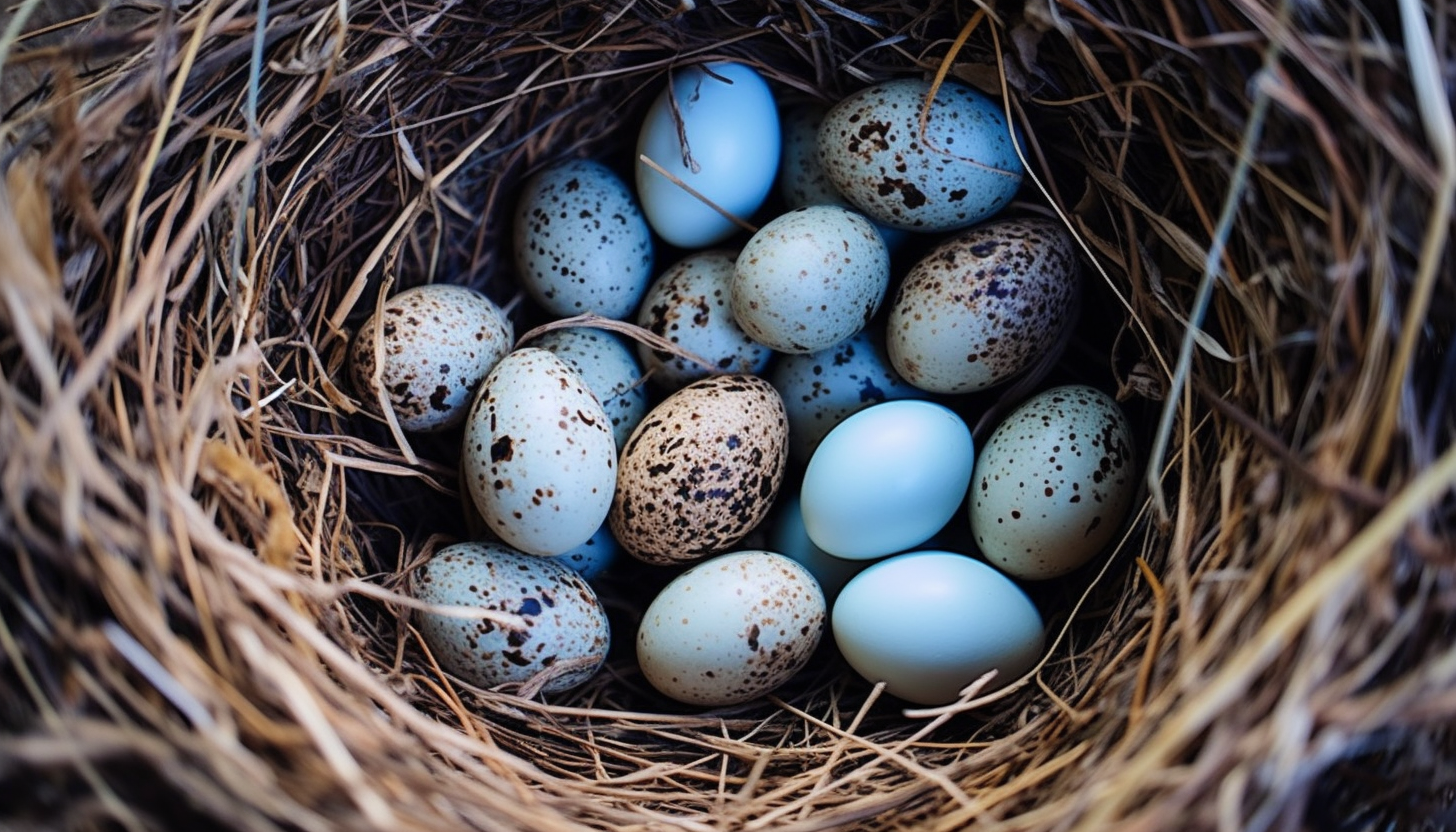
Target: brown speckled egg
(539, 457)
(438, 341)
(566, 630)
(961, 170)
(731, 629)
(701, 471)
(984, 306)
(1053, 483)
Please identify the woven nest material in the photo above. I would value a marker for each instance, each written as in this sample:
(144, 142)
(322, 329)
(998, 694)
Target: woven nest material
(205, 536)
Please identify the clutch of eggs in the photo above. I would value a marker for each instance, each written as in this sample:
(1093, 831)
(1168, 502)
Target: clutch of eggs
(777, 366)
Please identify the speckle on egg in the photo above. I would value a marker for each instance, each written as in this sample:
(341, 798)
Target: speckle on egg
(984, 305)
(701, 471)
(731, 629)
(688, 304)
(437, 342)
(1054, 483)
(566, 634)
(610, 369)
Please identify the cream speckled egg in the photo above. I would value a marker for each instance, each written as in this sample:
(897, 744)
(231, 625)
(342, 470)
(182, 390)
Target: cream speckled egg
(688, 304)
(539, 457)
(609, 367)
(731, 629)
(810, 279)
(701, 471)
(1053, 483)
(962, 170)
(984, 305)
(581, 243)
(437, 342)
(566, 631)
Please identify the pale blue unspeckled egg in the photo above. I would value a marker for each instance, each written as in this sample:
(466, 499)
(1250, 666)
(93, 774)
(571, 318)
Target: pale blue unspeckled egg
(810, 278)
(1054, 483)
(581, 243)
(731, 124)
(821, 389)
(731, 629)
(539, 462)
(610, 368)
(435, 344)
(962, 170)
(566, 633)
(984, 305)
(886, 479)
(930, 623)
(688, 304)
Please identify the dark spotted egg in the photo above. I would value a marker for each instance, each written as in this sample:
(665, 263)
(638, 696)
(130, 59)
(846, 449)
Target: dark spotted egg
(427, 350)
(1054, 483)
(563, 635)
(961, 170)
(701, 471)
(984, 305)
(688, 304)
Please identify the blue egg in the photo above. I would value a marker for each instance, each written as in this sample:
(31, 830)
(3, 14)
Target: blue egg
(593, 557)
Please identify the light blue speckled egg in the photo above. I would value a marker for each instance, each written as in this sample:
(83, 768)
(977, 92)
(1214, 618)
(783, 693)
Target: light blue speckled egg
(688, 304)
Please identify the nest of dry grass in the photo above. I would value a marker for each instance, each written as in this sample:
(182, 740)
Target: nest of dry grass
(204, 537)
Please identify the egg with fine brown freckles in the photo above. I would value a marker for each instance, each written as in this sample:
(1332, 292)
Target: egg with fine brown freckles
(701, 470)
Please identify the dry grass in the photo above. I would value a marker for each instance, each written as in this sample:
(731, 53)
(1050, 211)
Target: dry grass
(204, 533)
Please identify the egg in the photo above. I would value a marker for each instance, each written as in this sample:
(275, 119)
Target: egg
(436, 342)
(1054, 483)
(581, 243)
(566, 633)
(984, 306)
(593, 557)
(821, 389)
(810, 278)
(731, 629)
(688, 304)
(886, 479)
(788, 537)
(716, 129)
(802, 180)
(610, 368)
(963, 169)
(539, 458)
(928, 624)
(701, 471)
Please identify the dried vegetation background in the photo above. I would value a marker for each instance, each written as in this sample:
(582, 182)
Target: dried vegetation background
(203, 536)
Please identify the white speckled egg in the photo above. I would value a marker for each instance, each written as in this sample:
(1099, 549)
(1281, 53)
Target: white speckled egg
(930, 623)
(961, 171)
(810, 279)
(437, 342)
(610, 369)
(984, 305)
(788, 537)
(593, 557)
(728, 117)
(802, 180)
(581, 243)
(701, 471)
(689, 305)
(566, 631)
(539, 458)
(1054, 483)
(731, 629)
(886, 479)
(821, 389)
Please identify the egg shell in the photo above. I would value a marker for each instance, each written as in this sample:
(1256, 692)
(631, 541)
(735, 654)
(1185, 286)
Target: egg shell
(594, 557)
(540, 461)
(1054, 483)
(822, 389)
(984, 305)
(788, 537)
(566, 628)
(731, 629)
(802, 180)
(810, 278)
(437, 342)
(731, 124)
(688, 304)
(701, 471)
(886, 479)
(961, 171)
(930, 623)
(610, 368)
(581, 243)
